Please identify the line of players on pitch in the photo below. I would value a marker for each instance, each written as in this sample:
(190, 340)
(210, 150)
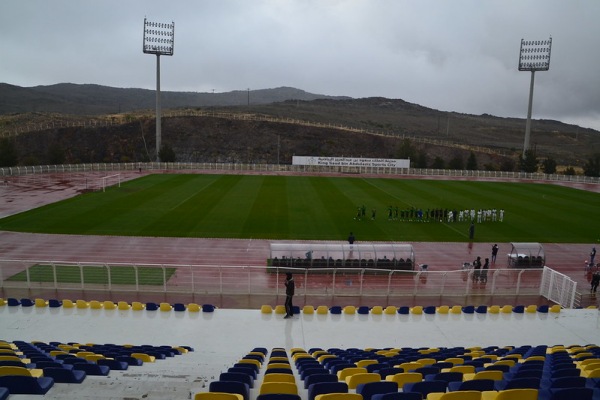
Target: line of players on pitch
(414, 214)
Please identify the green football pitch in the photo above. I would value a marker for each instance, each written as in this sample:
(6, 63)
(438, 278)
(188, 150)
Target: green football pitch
(318, 208)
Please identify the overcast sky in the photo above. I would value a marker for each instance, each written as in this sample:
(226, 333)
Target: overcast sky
(459, 55)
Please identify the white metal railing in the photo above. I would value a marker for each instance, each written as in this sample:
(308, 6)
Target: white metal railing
(253, 280)
(558, 288)
(189, 166)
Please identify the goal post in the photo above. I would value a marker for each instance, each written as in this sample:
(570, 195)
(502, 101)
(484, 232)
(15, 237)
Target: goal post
(111, 180)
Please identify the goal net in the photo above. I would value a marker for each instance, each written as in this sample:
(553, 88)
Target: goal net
(104, 182)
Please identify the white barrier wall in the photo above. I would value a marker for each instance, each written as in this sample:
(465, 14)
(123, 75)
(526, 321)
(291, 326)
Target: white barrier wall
(350, 162)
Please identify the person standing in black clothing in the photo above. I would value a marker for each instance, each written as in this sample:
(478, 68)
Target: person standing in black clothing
(484, 271)
(290, 287)
(595, 281)
(351, 239)
(472, 231)
(494, 253)
(476, 269)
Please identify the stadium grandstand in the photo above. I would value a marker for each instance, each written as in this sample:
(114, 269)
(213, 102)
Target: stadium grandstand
(353, 336)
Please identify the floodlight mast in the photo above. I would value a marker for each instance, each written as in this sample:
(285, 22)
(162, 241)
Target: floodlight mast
(534, 56)
(159, 39)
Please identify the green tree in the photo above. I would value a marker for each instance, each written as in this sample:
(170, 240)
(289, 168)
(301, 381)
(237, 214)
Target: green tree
(166, 153)
(472, 162)
(421, 160)
(456, 163)
(570, 171)
(438, 163)
(592, 166)
(8, 153)
(56, 154)
(507, 164)
(529, 163)
(549, 165)
(406, 150)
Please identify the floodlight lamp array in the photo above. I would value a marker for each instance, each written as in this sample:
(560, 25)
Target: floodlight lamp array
(159, 38)
(535, 55)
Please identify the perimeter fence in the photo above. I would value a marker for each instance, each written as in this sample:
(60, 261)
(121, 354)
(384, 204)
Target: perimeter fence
(227, 280)
(161, 167)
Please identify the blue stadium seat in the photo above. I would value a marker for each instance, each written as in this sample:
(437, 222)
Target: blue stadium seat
(278, 396)
(208, 308)
(114, 364)
(19, 384)
(4, 393)
(230, 387)
(326, 387)
(480, 385)
(63, 375)
(237, 377)
(319, 378)
(367, 390)
(92, 369)
(426, 387)
(398, 396)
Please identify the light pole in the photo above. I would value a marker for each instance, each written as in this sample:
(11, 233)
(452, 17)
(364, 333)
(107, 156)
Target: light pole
(159, 39)
(534, 56)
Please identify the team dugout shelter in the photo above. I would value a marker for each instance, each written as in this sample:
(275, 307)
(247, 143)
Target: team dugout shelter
(526, 255)
(390, 256)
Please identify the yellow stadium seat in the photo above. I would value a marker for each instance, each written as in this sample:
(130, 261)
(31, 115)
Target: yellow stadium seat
(218, 396)
(193, 307)
(493, 375)
(349, 310)
(346, 372)
(364, 363)
(532, 308)
(356, 379)
(279, 309)
(378, 310)
(555, 308)
(456, 309)
(322, 310)
(390, 310)
(137, 306)
(279, 365)
(95, 304)
(404, 377)
(266, 309)
(408, 366)
(41, 303)
(109, 305)
(144, 357)
(66, 303)
(2, 302)
(81, 304)
(458, 395)
(123, 305)
(511, 394)
(308, 309)
(494, 309)
(289, 378)
(416, 310)
(507, 309)
(165, 307)
(278, 388)
(442, 310)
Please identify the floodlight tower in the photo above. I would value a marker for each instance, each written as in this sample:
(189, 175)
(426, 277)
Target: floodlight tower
(534, 56)
(159, 39)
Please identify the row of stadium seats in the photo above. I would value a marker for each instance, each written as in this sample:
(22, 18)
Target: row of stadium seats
(382, 263)
(107, 305)
(277, 382)
(433, 373)
(417, 310)
(34, 368)
(506, 373)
